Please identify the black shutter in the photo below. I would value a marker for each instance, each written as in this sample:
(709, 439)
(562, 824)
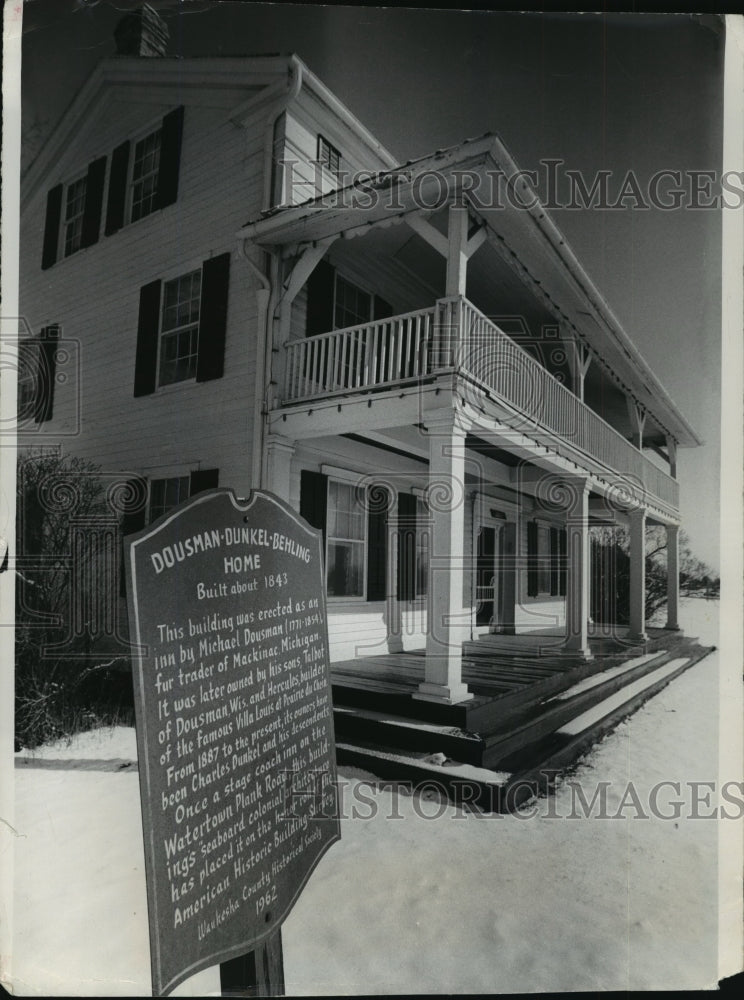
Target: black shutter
(314, 499)
(562, 563)
(51, 227)
(203, 479)
(117, 191)
(532, 576)
(376, 547)
(93, 202)
(131, 521)
(383, 309)
(320, 286)
(148, 328)
(170, 157)
(406, 546)
(46, 376)
(554, 567)
(213, 317)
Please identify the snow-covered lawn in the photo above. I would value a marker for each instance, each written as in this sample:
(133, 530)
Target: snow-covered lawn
(451, 904)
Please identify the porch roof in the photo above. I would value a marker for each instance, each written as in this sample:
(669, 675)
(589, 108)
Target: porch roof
(525, 236)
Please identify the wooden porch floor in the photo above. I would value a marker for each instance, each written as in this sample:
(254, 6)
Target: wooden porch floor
(493, 665)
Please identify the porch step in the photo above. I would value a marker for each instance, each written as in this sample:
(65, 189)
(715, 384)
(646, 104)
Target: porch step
(368, 727)
(537, 765)
(498, 772)
(552, 713)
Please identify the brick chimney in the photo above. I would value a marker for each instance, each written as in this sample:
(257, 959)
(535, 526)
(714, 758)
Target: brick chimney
(141, 33)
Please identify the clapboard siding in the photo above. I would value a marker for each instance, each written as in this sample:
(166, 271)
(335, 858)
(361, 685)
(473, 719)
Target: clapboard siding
(94, 296)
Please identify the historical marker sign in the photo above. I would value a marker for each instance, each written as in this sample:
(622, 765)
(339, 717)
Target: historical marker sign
(234, 723)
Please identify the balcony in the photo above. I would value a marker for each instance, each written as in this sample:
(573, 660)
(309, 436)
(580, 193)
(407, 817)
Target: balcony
(453, 336)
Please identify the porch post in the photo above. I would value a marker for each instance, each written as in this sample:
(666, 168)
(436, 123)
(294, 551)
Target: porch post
(457, 255)
(446, 620)
(672, 535)
(279, 452)
(637, 520)
(577, 583)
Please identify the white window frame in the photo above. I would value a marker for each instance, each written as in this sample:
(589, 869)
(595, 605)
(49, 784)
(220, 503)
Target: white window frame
(62, 252)
(162, 333)
(350, 479)
(155, 128)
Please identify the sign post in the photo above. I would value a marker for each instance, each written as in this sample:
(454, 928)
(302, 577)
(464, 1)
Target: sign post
(234, 729)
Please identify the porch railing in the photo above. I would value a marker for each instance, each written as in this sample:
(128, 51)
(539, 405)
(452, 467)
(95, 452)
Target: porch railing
(454, 335)
(371, 355)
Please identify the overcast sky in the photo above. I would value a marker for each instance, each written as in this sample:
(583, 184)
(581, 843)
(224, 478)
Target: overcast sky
(618, 93)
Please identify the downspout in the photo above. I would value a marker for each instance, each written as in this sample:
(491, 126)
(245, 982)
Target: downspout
(263, 298)
(295, 85)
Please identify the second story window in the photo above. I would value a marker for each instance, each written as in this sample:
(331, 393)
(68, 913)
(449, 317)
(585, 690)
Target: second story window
(145, 171)
(181, 327)
(329, 156)
(74, 212)
(179, 330)
(352, 305)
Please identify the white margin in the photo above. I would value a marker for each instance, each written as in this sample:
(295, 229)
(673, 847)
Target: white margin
(11, 185)
(730, 915)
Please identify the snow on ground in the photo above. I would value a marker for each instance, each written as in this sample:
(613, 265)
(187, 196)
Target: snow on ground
(452, 903)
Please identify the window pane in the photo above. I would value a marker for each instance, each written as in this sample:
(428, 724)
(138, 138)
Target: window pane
(179, 341)
(167, 493)
(145, 168)
(345, 569)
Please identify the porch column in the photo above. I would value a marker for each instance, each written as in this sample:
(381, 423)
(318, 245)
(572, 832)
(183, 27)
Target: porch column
(447, 621)
(672, 536)
(577, 555)
(279, 452)
(637, 521)
(457, 250)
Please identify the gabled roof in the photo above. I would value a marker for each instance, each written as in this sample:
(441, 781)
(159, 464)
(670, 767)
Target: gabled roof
(272, 75)
(526, 234)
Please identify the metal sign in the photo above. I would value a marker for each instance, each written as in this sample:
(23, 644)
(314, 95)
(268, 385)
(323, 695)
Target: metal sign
(234, 723)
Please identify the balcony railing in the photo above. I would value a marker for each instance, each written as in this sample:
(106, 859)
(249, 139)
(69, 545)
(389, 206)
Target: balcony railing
(454, 335)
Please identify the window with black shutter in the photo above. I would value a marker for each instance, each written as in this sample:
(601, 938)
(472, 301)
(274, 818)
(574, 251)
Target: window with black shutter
(145, 173)
(182, 327)
(314, 499)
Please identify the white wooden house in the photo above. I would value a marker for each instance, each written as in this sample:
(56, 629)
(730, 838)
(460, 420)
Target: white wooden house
(229, 281)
